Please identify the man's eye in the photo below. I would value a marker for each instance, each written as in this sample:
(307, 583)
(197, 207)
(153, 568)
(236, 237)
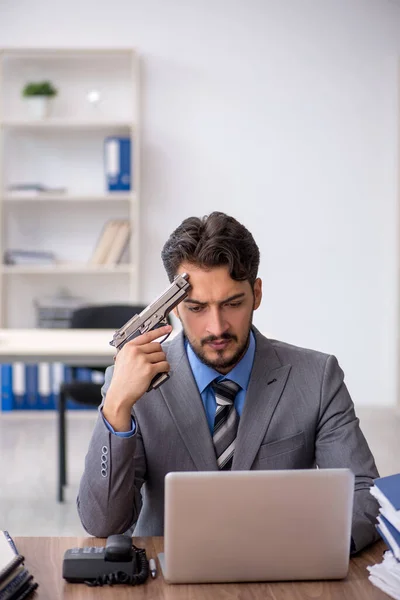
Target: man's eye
(195, 309)
(234, 304)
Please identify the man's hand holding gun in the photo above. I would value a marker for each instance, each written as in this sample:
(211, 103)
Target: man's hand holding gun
(140, 363)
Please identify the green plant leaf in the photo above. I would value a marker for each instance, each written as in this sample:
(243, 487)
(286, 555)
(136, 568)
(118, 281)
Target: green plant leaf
(40, 88)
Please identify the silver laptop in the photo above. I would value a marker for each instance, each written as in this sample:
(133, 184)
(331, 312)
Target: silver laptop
(257, 525)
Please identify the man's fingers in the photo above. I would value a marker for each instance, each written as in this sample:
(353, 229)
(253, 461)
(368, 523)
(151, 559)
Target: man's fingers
(156, 357)
(162, 367)
(149, 336)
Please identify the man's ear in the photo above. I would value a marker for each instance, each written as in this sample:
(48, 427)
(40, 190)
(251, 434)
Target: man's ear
(257, 292)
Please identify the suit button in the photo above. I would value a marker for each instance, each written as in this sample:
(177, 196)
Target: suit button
(104, 472)
(104, 458)
(104, 450)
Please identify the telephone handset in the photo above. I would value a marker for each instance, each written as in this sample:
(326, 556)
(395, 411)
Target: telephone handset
(118, 562)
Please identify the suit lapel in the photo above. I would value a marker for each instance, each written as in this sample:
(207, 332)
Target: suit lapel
(184, 402)
(267, 382)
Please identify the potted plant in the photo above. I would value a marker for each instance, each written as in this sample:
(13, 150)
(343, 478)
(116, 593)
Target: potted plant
(39, 95)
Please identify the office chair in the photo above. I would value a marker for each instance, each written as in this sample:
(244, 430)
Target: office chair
(86, 392)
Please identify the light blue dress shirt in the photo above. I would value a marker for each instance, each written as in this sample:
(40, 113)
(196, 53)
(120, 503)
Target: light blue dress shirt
(204, 375)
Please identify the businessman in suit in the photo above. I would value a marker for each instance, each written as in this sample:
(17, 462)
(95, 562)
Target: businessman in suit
(235, 399)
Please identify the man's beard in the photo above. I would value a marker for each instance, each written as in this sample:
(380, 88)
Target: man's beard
(220, 362)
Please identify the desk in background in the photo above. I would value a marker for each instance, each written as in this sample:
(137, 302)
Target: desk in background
(70, 346)
(43, 557)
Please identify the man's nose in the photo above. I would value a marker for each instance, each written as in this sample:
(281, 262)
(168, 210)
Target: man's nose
(216, 324)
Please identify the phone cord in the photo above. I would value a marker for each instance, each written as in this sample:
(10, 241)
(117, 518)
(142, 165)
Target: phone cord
(121, 577)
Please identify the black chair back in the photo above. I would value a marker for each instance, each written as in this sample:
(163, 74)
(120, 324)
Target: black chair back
(108, 316)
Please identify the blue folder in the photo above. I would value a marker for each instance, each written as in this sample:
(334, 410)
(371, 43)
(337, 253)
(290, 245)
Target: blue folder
(117, 163)
(7, 399)
(390, 487)
(395, 548)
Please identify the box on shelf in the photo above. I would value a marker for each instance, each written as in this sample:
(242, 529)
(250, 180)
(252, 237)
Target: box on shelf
(56, 311)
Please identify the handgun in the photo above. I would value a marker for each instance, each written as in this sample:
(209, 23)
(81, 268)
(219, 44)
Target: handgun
(152, 317)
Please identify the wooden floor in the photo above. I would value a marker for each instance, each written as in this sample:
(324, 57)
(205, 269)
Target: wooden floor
(28, 462)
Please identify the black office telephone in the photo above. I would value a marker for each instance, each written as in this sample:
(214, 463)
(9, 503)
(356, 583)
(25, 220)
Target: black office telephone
(120, 561)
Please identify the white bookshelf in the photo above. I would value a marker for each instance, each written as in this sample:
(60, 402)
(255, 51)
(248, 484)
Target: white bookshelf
(56, 124)
(49, 197)
(66, 149)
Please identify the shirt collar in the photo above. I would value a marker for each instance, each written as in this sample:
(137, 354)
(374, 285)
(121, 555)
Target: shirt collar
(204, 374)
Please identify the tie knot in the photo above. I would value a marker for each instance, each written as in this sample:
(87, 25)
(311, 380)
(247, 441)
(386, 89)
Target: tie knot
(225, 391)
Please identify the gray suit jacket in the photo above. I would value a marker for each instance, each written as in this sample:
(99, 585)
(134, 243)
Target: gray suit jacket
(297, 415)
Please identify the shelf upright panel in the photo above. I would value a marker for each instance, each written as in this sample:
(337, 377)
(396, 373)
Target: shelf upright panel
(2, 191)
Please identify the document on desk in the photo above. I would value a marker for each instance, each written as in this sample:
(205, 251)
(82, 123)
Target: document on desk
(9, 558)
(386, 575)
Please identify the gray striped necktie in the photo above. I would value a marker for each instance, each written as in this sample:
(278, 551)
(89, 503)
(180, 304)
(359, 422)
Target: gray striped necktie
(225, 423)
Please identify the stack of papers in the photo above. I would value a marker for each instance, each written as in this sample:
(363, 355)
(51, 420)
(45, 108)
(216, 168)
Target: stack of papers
(386, 575)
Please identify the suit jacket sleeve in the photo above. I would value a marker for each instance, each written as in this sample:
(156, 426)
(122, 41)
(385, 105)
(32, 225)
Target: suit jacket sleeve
(109, 499)
(340, 442)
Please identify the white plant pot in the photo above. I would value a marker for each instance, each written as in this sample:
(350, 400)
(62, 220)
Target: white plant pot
(39, 106)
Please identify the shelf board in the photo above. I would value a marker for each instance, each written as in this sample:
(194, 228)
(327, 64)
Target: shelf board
(49, 197)
(66, 268)
(74, 124)
(32, 53)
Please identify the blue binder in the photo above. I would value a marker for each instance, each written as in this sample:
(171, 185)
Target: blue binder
(19, 386)
(32, 387)
(390, 487)
(7, 400)
(45, 388)
(117, 163)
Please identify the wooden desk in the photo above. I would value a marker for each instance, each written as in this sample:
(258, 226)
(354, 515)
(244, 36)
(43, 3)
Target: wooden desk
(43, 557)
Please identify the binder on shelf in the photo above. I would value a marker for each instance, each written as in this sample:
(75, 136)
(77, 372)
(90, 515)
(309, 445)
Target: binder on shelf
(18, 383)
(45, 392)
(7, 400)
(117, 163)
(31, 387)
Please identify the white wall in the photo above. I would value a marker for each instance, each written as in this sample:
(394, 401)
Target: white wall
(283, 114)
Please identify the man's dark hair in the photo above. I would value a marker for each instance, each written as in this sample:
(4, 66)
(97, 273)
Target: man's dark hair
(213, 241)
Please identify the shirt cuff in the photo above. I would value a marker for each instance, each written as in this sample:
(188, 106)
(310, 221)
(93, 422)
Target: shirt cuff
(124, 434)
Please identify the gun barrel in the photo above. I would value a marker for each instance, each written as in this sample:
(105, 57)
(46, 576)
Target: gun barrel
(154, 313)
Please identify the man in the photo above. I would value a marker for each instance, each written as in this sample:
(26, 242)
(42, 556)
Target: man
(235, 400)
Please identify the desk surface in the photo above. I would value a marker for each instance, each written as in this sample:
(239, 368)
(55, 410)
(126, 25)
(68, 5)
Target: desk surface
(71, 346)
(74, 346)
(43, 557)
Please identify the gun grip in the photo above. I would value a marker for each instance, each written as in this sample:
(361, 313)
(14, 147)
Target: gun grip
(157, 381)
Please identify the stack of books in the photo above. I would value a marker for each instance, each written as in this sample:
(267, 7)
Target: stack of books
(386, 575)
(112, 243)
(16, 582)
(29, 257)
